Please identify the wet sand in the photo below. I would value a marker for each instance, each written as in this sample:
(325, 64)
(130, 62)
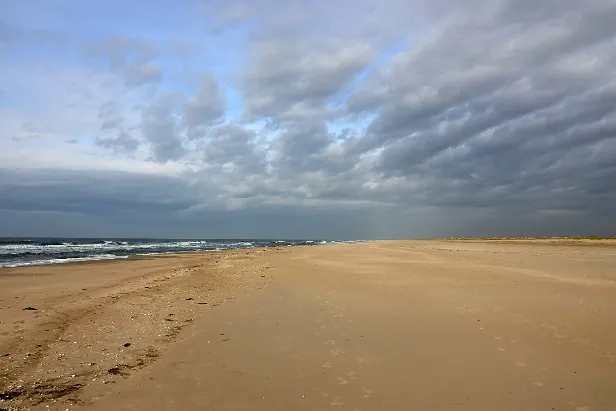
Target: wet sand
(435, 325)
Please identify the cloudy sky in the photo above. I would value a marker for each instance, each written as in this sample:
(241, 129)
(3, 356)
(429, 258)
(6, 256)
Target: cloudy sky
(312, 118)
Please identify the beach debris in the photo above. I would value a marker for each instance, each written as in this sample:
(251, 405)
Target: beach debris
(127, 345)
(30, 309)
(7, 396)
(188, 299)
(116, 371)
(201, 303)
(5, 355)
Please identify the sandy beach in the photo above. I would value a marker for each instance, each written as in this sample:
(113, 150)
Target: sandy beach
(390, 325)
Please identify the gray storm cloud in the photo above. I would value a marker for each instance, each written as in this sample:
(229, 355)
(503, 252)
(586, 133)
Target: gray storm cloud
(482, 118)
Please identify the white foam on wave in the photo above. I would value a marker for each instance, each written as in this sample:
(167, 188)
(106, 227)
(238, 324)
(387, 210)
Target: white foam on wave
(109, 246)
(63, 260)
(20, 254)
(178, 252)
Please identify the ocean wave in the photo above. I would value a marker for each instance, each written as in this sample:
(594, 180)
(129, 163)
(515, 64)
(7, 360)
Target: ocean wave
(14, 241)
(98, 257)
(16, 252)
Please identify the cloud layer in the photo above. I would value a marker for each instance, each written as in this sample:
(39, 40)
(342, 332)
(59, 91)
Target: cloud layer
(385, 119)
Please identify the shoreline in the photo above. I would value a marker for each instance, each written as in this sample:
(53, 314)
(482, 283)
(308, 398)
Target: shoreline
(553, 300)
(148, 257)
(91, 251)
(496, 240)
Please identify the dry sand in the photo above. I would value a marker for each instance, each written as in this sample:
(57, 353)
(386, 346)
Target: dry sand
(405, 325)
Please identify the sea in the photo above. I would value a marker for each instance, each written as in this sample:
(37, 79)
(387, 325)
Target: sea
(18, 252)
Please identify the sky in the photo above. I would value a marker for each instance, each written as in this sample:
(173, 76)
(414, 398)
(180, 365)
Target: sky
(307, 119)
